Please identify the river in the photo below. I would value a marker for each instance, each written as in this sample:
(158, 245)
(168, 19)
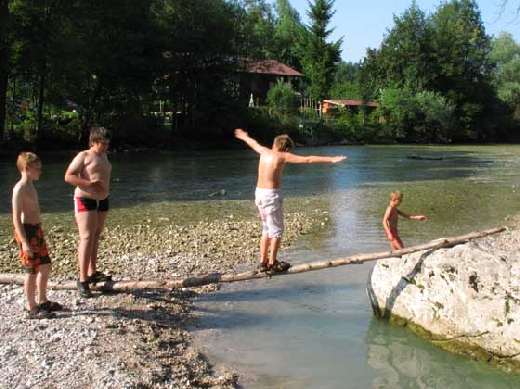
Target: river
(316, 329)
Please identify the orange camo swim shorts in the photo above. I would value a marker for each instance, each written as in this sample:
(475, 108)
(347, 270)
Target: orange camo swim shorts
(34, 235)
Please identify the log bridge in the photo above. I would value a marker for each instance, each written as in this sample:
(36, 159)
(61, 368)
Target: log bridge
(215, 278)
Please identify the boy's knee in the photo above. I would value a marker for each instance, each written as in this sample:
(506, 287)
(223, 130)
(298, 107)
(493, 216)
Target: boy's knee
(44, 268)
(86, 236)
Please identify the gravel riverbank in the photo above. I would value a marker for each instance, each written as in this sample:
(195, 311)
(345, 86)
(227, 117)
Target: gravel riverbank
(128, 340)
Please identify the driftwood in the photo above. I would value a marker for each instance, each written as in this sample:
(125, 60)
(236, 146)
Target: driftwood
(215, 278)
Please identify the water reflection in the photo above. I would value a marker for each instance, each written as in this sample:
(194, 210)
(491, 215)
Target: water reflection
(401, 360)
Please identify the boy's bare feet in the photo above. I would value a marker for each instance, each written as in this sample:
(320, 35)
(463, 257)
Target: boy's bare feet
(262, 267)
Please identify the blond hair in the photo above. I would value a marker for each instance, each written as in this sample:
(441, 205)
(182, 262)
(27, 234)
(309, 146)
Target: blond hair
(396, 196)
(25, 159)
(98, 135)
(283, 143)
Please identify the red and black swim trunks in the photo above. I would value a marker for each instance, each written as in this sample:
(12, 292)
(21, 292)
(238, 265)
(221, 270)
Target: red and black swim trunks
(85, 204)
(36, 240)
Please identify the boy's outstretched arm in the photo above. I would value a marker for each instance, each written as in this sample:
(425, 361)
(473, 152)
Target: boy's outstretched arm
(293, 158)
(242, 135)
(412, 217)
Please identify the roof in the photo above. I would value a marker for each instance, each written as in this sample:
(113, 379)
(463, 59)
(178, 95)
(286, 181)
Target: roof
(271, 67)
(352, 103)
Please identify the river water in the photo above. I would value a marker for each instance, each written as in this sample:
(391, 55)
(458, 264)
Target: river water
(316, 330)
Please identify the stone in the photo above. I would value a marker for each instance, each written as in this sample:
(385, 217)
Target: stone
(465, 299)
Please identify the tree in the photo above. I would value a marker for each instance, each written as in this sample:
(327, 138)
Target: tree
(256, 23)
(506, 55)
(289, 35)
(282, 97)
(405, 52)
(4, 62)
(320, 57)
(346, 84)
(404, 57)
(460, 55)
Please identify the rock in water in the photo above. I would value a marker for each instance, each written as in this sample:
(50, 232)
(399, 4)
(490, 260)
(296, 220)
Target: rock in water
(465, 299)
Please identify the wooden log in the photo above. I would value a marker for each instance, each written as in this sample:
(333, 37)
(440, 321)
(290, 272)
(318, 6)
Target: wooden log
(214, 278)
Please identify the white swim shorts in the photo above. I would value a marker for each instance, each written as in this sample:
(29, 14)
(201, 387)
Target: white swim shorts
(269, 203)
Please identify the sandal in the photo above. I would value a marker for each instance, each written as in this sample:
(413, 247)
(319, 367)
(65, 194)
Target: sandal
(84, 290)
(50, 306)
(262, 267)
(37, 313)
(99, 277)
(279, 267)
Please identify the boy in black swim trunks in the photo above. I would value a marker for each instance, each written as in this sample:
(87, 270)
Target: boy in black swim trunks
(90, 173)
(29, 236)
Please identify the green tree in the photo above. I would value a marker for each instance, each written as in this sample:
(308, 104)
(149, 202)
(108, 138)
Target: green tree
(506, 55)
(435, 117)
(460, 56)
(346, 84)
(404, 57)
(282, 98)
(320, 56)
(289, 35)
(38, 25)
(256, 23)
(4, 62)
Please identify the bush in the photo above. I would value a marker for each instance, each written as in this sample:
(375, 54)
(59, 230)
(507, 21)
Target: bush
(282, 98)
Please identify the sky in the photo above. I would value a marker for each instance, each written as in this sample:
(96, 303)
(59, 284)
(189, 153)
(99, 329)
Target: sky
(363, 23)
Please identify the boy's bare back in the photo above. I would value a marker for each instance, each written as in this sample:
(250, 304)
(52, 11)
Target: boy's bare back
(270, 169)
(272, 161)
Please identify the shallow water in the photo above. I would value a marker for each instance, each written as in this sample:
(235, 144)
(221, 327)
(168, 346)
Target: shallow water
(314, 329)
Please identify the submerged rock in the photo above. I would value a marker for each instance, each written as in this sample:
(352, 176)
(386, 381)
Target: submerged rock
(465, 299)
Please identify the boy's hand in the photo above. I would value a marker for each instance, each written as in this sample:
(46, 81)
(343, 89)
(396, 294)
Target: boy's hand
(240, 134)
(27, 250)
(97, 186)
(339, 158)
(421, 218)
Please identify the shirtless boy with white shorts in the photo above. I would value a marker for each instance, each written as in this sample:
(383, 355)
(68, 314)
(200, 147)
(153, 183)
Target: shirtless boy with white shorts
(90, 173)
(268, 197)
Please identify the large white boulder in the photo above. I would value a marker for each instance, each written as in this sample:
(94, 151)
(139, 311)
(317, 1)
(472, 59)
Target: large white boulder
(465, 299)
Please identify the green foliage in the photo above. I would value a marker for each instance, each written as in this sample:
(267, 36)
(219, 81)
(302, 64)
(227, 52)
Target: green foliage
(282, 97)
(448, 53)
(435, 116)
(320, 56)
(404, 56)
(422, 116)
(69, 64)
(346, 84)
(506, 55)
(289, 33)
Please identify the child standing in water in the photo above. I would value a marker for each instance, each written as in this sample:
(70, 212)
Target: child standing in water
(391, 218)
(29, 236)
(90, 173)
(268, 197)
